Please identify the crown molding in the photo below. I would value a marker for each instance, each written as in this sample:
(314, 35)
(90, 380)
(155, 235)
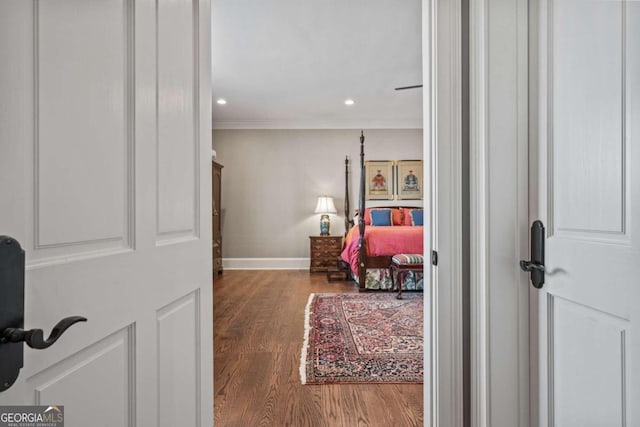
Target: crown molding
(318, 124)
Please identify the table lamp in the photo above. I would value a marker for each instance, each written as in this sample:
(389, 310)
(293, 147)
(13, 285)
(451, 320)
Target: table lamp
(325, 207)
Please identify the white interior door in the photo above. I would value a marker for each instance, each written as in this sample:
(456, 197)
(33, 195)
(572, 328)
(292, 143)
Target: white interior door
(105, 182)
(588, 134)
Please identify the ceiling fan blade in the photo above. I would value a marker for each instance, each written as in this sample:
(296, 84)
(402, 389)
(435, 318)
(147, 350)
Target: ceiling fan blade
(408, 87)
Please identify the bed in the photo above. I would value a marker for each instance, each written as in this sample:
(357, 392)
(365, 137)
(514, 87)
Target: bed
(369, 245)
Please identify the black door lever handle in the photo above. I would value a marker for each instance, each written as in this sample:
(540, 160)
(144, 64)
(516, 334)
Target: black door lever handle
(35, 337)
(536, 265)
(530, 266)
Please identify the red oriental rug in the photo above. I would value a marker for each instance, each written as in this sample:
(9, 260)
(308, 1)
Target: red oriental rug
(362, 338)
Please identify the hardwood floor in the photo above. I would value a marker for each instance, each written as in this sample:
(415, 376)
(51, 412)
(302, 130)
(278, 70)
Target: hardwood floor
(258, 333)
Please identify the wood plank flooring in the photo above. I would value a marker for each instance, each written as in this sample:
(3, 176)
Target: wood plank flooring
(258, 332)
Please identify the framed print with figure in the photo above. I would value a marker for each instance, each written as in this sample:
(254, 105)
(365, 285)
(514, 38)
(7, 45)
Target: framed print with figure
(379, 180)
(409, 178)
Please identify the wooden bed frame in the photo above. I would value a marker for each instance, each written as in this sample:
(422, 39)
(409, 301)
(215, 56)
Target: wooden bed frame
(364, 261)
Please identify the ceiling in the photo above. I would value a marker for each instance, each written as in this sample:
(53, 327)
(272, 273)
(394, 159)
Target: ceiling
(292, 64)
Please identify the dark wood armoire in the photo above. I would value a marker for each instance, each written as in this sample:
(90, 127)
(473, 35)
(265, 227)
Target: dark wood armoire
(217, 212)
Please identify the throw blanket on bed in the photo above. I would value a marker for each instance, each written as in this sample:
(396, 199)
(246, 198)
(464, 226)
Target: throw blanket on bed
(383, 241)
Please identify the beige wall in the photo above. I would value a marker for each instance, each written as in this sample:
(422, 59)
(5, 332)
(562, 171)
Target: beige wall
(272, 178)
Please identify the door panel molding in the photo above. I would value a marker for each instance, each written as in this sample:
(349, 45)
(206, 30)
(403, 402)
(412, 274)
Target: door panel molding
(578, 189)
(177, 108)
(179, 384)
(574, 328)
(114, 353)
(61, 181)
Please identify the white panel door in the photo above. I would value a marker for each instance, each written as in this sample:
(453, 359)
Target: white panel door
(105, 182)
(588, 134)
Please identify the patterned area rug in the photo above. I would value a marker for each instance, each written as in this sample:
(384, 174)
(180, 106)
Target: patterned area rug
(362, 338)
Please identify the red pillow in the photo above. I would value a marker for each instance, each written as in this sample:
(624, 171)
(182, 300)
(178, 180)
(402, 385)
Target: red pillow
(398, 216)
(367, 216)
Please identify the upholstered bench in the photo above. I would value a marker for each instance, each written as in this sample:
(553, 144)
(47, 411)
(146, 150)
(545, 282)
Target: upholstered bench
(401, 264)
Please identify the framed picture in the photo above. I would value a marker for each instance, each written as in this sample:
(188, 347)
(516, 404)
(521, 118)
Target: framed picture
(409, 179)
(379, 180)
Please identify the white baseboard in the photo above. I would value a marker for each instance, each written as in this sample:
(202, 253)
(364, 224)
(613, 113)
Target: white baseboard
(265, 263)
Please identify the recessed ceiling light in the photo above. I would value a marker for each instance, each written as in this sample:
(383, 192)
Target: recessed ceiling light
(221, 101)
(349, 102)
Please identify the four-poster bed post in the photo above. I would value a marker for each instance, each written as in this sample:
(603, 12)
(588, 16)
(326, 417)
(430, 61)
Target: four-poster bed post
(362, 244)
(348, 222)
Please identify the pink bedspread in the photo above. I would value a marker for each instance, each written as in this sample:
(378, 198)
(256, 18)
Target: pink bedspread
(383, 241)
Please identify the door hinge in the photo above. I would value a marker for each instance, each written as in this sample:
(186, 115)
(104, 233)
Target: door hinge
(434, 258)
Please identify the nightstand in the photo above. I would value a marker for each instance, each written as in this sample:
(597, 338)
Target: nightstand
(325, 250)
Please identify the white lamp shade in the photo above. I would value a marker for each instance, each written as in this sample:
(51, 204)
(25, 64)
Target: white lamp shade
(325, 205)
